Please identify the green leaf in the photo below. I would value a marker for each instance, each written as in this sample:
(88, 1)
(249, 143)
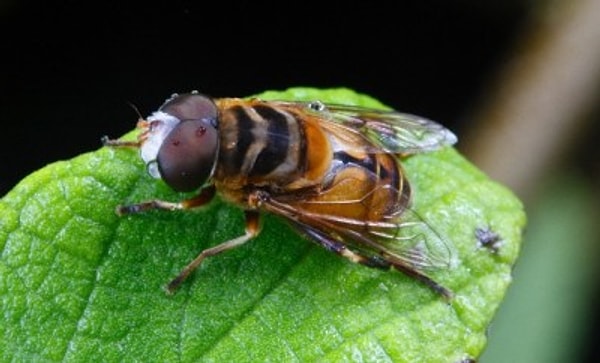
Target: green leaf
(78, 283)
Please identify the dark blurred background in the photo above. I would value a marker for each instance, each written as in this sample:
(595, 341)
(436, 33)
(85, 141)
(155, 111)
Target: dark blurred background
(70, 69)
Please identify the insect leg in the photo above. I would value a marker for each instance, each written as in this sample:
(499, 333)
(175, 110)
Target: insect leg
(118, 143)
(419, 276)
(252, 230)
(341, 249)
(142, 124)
(202, 198)
(383, 261)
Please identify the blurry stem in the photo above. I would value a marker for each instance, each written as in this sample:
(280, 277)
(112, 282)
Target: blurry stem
(542, 97)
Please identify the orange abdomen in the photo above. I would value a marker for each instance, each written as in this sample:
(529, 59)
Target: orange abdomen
(371, 188)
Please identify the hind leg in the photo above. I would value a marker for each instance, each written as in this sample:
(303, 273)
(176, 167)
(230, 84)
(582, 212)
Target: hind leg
(383, 262)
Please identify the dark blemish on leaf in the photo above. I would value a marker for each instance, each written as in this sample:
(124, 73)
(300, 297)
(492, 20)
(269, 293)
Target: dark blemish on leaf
(467, 360)
(488, 239)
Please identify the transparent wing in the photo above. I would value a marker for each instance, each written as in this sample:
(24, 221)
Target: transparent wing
(380, 131)
(389, 130)
(403, 238)
(408, 238)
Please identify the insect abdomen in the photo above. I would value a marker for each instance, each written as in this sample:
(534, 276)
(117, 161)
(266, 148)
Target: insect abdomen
(369, 187)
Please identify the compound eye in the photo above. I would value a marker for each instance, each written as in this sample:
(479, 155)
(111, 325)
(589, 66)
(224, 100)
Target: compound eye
(187, 155)
(191, 106)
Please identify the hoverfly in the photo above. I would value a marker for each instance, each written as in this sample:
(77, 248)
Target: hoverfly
(332, 171)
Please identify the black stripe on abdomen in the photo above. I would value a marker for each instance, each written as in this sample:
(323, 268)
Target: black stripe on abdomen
(277, 140)
(366, 162)
(245, 138)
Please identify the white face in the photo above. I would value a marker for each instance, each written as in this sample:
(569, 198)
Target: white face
(161, 124)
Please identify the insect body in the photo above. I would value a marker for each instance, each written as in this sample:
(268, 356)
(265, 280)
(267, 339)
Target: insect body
(331, 171)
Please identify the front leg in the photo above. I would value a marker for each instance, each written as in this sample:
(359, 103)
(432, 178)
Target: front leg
(205, 196)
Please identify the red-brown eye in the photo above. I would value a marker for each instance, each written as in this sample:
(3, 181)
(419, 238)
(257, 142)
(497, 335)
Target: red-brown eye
(191, 106)
(187, 155)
